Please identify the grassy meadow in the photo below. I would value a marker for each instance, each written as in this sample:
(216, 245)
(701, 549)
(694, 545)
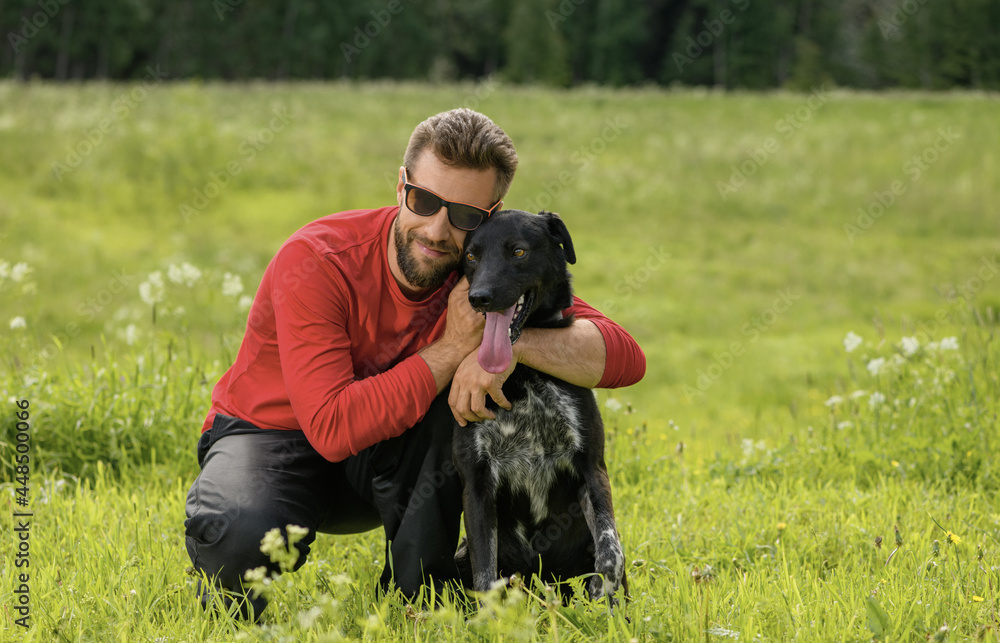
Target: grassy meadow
(811, 455)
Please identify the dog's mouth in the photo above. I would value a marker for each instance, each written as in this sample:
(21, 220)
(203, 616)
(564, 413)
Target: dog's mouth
(502, 330)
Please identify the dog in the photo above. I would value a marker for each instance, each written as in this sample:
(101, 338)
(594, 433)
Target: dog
(536, 495)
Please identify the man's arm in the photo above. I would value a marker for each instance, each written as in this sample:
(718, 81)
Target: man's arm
(575, 354)
(592, 352)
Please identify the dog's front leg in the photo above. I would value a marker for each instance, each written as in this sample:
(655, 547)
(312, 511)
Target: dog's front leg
(479, 499)
(608, 556)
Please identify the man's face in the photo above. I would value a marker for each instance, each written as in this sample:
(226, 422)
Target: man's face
(425, 250)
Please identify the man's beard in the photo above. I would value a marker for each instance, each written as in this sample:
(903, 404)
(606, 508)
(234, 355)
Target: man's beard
(419, 277)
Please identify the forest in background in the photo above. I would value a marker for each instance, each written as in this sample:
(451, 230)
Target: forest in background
(731, 44)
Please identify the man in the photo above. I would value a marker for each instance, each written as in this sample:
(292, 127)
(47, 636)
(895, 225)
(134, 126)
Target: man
(359, 354)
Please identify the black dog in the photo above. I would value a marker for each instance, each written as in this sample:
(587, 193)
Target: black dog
(537, 495)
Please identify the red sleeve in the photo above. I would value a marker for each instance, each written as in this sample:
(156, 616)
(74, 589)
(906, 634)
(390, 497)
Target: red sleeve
(338, 414)
(625, 363)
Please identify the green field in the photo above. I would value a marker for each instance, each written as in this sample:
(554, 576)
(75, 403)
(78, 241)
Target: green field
(760, 469)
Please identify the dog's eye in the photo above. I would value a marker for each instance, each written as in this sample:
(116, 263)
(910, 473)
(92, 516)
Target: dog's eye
(469, 256)
(519, 252)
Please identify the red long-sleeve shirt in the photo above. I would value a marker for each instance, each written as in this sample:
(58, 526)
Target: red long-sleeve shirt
(331, 341)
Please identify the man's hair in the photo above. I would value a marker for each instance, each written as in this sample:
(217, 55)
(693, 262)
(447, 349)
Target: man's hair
(467, 139)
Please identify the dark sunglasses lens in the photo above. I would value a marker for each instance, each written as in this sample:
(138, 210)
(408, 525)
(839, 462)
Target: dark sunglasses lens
(422, 202)
(464, 217)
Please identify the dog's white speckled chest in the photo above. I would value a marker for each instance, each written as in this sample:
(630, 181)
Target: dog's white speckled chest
(529, 444)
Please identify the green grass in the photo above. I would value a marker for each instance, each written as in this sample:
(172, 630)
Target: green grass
(749, 498)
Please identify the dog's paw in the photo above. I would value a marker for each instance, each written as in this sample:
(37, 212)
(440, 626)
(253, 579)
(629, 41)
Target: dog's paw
(610, 567)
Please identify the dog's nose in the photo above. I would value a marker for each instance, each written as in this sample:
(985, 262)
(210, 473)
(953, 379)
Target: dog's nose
(480, 299)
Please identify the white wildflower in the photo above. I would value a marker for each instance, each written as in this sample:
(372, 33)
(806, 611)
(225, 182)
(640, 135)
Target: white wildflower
(245, 302)
(272, 542)
(856, 394)
(876, 399)
(844, 425)
(232, 285)
(875, 365)
(255, 575)
(185, 273)
(852, 341)
(910, 345)
(20, 271)
(949, 344)
(151, 291)
(17, 323)
(296, 533)
(308, 619)
(612, 404)
(130, 334)
(834, 401)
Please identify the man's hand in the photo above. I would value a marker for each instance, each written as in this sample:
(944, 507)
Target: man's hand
(470, 387)
(463, 333)
(463, 330)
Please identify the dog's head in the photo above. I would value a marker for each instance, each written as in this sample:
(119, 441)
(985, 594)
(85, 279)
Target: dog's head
(516, 265)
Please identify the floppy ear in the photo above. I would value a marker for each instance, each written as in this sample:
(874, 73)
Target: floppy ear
(558, 231)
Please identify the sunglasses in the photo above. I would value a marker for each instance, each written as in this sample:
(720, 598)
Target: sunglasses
(425, 203)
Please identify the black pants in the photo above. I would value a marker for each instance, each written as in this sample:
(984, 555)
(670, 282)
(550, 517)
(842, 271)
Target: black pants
(254, 480)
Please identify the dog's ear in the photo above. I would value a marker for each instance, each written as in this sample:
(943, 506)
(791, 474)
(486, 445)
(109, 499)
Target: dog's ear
(558, 231)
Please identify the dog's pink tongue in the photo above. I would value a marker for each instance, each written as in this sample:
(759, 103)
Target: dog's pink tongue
(495, 353)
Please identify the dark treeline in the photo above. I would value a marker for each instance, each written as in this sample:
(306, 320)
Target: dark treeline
(753, 44)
